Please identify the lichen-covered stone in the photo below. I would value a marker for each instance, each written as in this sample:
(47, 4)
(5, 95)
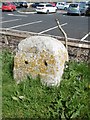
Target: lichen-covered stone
(43, 56)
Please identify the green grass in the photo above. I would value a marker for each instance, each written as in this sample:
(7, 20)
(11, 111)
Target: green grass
(30, 99)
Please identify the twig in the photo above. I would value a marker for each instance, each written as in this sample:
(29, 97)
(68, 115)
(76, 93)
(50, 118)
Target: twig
(6, 41)
(65, 35)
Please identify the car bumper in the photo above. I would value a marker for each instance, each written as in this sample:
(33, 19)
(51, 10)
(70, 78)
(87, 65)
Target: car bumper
(73, 12)
(41, 11)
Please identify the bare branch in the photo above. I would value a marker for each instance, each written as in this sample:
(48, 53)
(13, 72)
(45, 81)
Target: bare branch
(63, 32)
(6, 40)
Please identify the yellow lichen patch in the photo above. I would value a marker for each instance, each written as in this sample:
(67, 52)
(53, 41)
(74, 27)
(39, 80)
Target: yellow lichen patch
(40, 61)
(62, 62)
(43, 70)
(51, 61)
(16, 65)
(33, 50)
(42, 67)
(42, 55)
(33, 63)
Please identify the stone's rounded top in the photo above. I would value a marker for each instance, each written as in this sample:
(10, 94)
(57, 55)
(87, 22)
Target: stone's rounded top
(40, 43)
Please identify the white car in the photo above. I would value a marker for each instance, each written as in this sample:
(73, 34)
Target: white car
(62, 5)
(46, 8)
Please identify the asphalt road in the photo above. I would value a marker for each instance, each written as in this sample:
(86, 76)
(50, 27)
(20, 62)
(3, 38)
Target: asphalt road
(75, 26)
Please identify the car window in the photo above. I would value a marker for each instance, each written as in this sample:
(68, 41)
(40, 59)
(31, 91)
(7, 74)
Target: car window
(36, 3)
(62, 3)
(82, 5)
(12, 3)
(73, 5)
(40, 5)
(5, 4)
(59, 3)
(88, 4)
(49, 5)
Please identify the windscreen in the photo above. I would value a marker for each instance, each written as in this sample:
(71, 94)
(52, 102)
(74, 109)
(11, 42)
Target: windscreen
(73, 5)
(40, 5)
(5, 4)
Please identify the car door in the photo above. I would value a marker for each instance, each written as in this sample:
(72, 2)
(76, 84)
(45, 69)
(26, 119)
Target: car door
(50, 8)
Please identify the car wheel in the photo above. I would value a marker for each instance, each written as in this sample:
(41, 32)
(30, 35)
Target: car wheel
(47, 11)
(65, 8)
(68, 13)
(86, 13)
(55, 10)
(11, 10)
(38, 12)
(83, 14)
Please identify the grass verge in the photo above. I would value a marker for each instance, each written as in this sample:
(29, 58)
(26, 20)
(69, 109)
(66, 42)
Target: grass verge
(30, 99)
(28, 10)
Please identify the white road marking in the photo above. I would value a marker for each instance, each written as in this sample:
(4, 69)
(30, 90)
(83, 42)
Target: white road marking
(51, 28)
(18, 15)
(9, 20)
(82, 16)
(25, 24)
(85, 36)
(83, 39)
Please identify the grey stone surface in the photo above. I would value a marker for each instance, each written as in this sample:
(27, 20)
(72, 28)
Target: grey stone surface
(43, 56)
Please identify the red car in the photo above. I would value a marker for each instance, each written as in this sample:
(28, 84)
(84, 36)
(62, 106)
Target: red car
(8, 6)
(53, 4)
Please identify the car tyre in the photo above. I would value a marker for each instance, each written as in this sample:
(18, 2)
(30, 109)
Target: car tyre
(68, 13)
(86, 14)
(11, 10)
(47, 11)
(55, 10)
(65, 8)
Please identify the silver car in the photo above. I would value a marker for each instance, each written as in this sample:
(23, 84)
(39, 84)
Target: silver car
(76, 8)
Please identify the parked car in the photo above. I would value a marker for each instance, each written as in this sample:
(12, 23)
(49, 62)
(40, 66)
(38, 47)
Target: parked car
(34, 5)
(0, 5)
(66, 6)
(53, 4)
(62, 5)
(45, 8)
(23, 4)
(8, 6)
(76, 8)
(17, 4)
(87, 11)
